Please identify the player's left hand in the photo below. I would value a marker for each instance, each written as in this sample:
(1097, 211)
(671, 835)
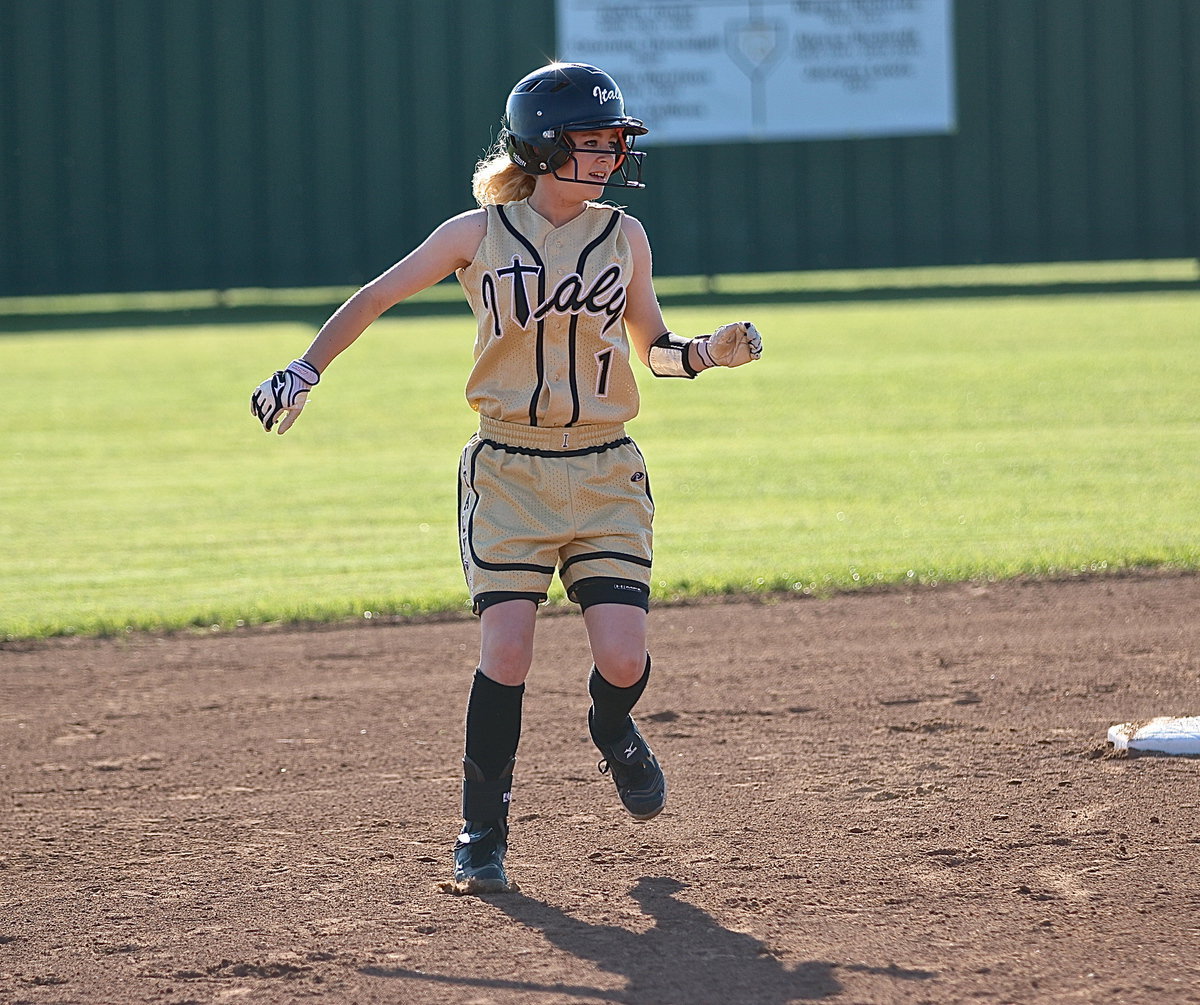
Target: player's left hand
(279, 399)
(731, 345)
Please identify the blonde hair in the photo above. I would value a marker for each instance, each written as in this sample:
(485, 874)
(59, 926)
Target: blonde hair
(497, 180)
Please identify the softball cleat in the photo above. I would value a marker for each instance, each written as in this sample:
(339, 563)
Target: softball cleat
(479, 859)
(635, 771)
(480, 848)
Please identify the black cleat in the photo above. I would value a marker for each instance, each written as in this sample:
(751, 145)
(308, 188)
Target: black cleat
(479, 858)
(635, 771)
(479, 850)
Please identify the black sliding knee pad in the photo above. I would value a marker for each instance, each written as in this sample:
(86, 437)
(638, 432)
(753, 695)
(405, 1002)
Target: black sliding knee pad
(605, 590)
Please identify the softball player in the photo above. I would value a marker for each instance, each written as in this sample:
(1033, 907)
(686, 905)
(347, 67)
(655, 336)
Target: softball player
(561, 289)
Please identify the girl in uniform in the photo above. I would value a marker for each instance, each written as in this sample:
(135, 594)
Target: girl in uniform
(562, 292)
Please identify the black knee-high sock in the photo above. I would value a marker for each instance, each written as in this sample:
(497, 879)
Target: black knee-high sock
(493, 724)
(611, 705)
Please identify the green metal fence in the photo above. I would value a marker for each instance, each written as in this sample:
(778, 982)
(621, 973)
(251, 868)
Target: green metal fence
(199, 144)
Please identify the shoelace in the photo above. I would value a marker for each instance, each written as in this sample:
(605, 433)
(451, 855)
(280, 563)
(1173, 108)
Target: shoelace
(624, 771)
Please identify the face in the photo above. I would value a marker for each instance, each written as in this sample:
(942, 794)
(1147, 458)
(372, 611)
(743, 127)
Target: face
(597, 154)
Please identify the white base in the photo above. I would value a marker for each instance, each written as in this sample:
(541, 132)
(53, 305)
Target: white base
(1164, 735)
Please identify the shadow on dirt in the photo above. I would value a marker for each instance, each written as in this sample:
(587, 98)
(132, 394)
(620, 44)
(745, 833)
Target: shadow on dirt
(685, 956)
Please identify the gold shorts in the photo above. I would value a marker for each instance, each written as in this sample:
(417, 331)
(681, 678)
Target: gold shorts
(533, 501)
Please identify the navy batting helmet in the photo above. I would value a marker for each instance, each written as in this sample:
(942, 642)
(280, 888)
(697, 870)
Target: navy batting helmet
(568, 97)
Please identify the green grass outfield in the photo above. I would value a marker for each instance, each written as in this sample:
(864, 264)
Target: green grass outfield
(878, 442)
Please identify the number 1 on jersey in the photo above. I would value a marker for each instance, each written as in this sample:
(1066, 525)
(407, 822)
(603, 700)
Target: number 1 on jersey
(603, 368)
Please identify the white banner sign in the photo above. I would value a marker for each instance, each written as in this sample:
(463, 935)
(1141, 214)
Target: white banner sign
(702, 71)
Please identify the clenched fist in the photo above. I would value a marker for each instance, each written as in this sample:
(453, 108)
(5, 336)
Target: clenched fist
(730, 345)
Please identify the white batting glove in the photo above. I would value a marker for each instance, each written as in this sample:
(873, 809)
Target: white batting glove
(280, 399)
(730, 345)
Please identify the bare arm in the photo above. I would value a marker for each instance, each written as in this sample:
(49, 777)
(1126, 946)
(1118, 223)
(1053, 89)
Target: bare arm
(278, 401)
(643, 316)
(450, 247)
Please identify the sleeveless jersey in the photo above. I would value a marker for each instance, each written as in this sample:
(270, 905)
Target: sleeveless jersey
(550, 347)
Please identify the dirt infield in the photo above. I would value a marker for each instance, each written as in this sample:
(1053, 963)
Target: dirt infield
(895, 797)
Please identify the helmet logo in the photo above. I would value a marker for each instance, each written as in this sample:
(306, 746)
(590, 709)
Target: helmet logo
(602, 94)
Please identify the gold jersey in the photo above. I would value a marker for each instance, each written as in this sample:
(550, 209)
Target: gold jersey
(551, 348)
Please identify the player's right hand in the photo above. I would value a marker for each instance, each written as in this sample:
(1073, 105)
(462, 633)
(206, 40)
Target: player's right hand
(279, 399)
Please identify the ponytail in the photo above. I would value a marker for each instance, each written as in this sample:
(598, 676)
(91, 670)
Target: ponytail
(497, 180)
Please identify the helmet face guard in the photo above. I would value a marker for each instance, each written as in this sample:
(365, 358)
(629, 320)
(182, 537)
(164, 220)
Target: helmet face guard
(563, 98)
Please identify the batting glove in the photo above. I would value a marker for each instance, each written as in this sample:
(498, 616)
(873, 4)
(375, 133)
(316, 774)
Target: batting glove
(730, 345)
(280, 399)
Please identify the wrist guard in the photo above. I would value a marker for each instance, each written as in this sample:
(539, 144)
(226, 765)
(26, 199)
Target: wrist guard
(668, 356)
(303, 369)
